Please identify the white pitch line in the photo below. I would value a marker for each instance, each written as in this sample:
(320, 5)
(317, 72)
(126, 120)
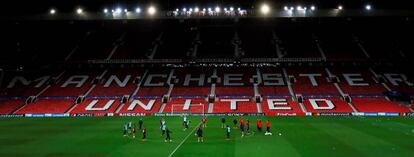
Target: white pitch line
(185, 139)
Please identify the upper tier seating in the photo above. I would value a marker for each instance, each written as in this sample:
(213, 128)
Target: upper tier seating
(304, 85)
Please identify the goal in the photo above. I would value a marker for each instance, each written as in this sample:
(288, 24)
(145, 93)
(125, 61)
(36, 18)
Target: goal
(193, 108)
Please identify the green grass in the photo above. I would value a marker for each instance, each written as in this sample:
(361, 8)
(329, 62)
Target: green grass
(301, 136)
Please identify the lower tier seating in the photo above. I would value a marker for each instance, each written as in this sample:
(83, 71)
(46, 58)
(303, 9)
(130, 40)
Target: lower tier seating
(243, 105)
(378, 105)
(97, 106)
(9, 106)
(176, 105)
(281, 106)
(141, 105)
(48, 106)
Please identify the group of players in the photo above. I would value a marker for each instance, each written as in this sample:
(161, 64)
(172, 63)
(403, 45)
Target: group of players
(131, 129)
(245, 126)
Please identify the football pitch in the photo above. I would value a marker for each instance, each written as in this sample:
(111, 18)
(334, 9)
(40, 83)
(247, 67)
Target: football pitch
(300, 136)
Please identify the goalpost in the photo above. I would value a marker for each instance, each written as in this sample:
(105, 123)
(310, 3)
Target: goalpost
(195, 108)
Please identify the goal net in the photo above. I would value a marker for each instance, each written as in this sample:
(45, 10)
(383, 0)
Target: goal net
(193, 108)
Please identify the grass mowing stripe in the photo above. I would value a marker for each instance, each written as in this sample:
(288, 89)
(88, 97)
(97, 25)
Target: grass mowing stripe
(184, 140)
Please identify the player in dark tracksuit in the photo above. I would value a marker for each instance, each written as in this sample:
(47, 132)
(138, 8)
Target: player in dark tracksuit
(200, 134)
(168, 133)
(125, 129)
(144, 134)
(223, 122)
(140, 123)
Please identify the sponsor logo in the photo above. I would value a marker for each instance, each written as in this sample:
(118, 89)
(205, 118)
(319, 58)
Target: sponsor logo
(370, 114)
(83, 115)
(286, 114)
(411, 114)
(334, 114)
(11, 115)
(133, 114)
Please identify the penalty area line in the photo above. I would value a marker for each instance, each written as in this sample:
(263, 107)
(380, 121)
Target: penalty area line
(185, 139)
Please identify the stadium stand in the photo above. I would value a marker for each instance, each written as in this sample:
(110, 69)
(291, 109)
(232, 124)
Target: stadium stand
(378, 105)
(141, 105)
(327, 105)
(10, 105)
(51, 106)
(287, 107)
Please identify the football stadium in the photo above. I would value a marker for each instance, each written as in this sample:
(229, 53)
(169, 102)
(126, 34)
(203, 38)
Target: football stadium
(184, 78)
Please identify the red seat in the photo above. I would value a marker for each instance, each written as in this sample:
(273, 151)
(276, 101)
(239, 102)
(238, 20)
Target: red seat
(178, 104)
(246, 106)
(82, 107)
(291, 107)
(378, 105)
(48, 106)
(9, 106)
(127, 108)
(339, 105)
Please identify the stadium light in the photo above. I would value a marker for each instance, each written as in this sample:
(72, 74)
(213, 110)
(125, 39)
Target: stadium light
(196, 9)
(265, 9)
(285, 8)
(191, 10)
(152, 10)
(368, 7)
(138, 10)
(313, 8)
(184, 9)
(105, 10)
(231, 9)
(118, 10)
(52, 11)
(217, 9)
(79, 11)
(340, 7)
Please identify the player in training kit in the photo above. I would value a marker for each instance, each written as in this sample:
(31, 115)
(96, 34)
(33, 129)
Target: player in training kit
(268, 124)
(129, 127)
(140, 123)
(185, 123)
(144, 134)
(259, 125)
(228, 132)
(242, 126)
(204, 121)
(200, 134)
(223, 122)
(168, 133)
(163, 129)
(125, 129)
